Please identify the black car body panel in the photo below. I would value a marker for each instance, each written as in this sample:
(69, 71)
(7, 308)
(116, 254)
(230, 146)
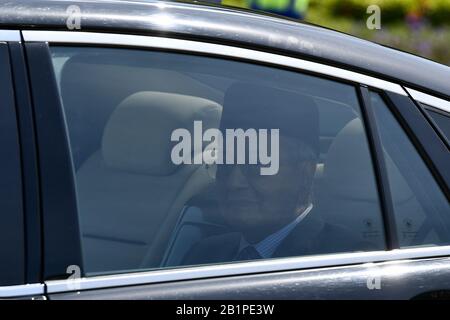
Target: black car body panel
(246, 29)
(11, 202)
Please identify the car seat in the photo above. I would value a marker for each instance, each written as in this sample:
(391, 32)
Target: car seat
(348, 195)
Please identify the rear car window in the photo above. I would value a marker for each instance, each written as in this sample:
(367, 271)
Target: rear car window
(190, 160)
(422, 212)
(441, 119)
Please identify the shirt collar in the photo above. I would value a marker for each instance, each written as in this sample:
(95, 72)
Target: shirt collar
(268, 245)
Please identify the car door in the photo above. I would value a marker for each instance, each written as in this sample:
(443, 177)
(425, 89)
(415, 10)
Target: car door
(19, 268)
(125, 216)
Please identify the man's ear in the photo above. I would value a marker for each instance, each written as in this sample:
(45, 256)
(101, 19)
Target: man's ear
(310, 168)
(308, 171)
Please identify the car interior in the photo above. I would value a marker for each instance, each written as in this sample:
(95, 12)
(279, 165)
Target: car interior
(138, 210)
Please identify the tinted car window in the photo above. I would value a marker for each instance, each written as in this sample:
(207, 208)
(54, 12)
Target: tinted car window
(441, 119)
(422, 212)
(187, 160)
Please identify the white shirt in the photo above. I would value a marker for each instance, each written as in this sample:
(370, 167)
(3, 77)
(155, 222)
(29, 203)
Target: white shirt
(266, 247)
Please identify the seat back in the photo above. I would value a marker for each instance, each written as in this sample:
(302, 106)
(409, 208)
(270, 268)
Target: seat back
(130, 193)
(348, 195)
(107, 80)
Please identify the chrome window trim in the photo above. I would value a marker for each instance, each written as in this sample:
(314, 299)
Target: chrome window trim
(430, 100)
(71, 37)
(21, 290)
(10, 35)
(242, 268)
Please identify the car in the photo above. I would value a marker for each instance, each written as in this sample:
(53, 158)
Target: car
(119, 122)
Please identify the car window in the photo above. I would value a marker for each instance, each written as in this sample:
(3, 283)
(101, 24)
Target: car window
(188, 160)
(422, 212)
(441, 119)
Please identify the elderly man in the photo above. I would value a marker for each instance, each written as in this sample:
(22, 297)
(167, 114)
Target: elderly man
(270, 215)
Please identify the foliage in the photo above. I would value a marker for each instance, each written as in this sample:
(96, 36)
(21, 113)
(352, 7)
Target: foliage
(437, 12)
(402, 25)
(421, 27)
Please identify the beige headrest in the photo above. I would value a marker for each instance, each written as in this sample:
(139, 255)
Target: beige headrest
(137, 136)
(348, 168)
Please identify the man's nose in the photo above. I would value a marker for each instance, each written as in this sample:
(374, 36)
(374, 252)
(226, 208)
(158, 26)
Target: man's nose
(237, 179)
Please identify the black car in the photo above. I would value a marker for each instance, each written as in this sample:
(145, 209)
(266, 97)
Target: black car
(164, 150)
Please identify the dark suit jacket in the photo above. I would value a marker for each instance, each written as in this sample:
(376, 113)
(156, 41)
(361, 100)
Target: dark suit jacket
(311, 236)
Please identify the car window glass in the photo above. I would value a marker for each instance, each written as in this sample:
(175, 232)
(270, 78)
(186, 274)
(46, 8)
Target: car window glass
(186, 160)
(422, 212)
(441, 119)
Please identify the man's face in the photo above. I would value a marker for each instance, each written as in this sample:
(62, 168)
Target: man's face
(258, 205)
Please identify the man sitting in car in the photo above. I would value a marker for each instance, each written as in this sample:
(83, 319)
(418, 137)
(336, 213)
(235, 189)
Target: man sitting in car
(270, 215)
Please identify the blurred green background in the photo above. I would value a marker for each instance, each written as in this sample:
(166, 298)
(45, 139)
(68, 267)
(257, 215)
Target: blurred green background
(421, 27)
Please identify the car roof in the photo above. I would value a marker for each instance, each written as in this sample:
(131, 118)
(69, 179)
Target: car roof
(242, 28)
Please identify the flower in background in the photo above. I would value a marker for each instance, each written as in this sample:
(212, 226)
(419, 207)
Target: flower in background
(415, 20)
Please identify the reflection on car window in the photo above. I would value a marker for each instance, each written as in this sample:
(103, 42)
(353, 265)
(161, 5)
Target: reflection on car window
(441, 119)
(186, 160)
(422, 212)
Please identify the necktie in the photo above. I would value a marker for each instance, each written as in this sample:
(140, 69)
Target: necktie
(248, 253)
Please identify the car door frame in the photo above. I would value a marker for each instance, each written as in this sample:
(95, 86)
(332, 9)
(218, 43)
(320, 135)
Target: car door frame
(23, 196)
(59, 213)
